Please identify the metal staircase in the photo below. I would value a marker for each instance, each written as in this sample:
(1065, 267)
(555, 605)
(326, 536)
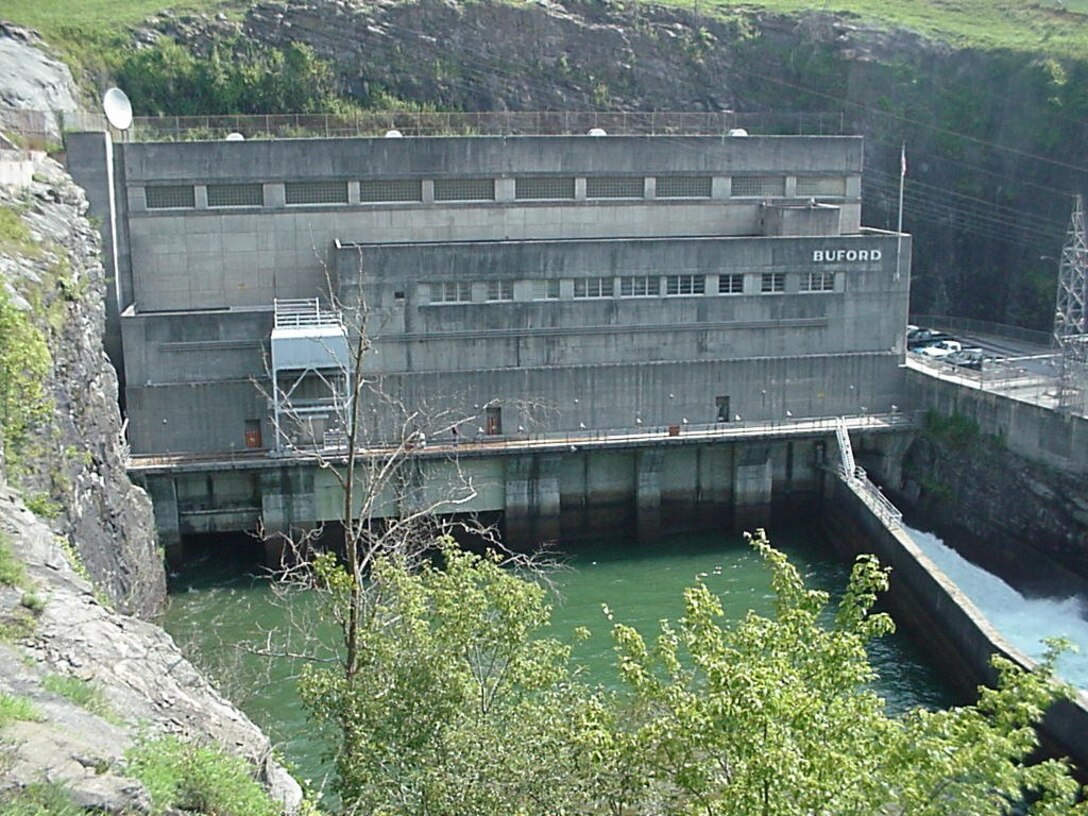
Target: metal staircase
(846, 450)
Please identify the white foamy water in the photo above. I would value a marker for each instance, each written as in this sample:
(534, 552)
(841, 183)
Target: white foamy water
(1024, 621)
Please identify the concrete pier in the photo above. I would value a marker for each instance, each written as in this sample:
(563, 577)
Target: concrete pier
(548, 488)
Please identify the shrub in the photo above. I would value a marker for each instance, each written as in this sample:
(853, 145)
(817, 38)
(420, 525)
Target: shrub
(203, 779)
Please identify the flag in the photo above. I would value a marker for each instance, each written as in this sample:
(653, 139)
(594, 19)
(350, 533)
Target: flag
(903, 161)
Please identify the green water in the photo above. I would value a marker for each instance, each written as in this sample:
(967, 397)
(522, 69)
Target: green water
(215, 605)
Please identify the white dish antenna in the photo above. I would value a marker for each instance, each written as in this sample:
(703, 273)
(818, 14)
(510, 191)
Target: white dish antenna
(597, 132)
(118, 109)
(235, 136)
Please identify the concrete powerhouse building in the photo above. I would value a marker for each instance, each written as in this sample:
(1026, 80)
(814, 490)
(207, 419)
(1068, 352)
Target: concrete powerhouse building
(532, 284)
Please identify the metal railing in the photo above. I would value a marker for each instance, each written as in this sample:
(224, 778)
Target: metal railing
(966, 324)
(487, 123)
(479, 443)
(873, 496)
(293, 313)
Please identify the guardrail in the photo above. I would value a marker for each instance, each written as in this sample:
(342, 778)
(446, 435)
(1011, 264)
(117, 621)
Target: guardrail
(484, 123)
(478, 443)
(303, 312)
(873, 496)
(967, 324)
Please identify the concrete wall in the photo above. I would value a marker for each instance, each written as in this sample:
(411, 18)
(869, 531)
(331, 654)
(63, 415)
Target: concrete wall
(198, 273)
(198, 256)
(1035, 432)
(924, 599)
(667, 485)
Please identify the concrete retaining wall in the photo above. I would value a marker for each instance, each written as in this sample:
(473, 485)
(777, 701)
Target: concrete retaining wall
(953, 630)
(1033, 431)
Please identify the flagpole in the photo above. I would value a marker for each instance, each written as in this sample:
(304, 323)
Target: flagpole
(899, 229)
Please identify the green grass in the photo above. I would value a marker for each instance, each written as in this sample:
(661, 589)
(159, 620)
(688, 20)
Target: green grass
(12, 570)
(195, 778)
(83, 693)
(39, 799)
(14, 708)
(87, 31)
(84, 32)
(1035, 25)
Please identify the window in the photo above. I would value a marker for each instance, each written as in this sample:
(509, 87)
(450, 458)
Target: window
(372, 191)
(546, 289)
(812, 186)
(615, 187)
(593, 287)
(685, 285)
(316, 192)
(464, 189)
(451, 292)
(640, 286)
(546, 188)
(731, 284)
(683, 187)
(761, 186)
(818, 282)
(170, 196)
(772, 282)
(500, 290)
(235, 195)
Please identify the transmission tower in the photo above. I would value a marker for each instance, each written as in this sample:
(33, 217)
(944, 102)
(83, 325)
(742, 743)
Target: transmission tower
(1071, 313)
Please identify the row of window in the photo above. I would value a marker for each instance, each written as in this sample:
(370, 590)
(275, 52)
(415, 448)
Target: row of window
(631, 286)
(543, 188)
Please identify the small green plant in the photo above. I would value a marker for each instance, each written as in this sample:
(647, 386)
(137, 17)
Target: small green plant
(40, 504)
(12, 570)
(38, 799)
(16, 625)
(15, 237)
(83, 693)
(32, 601)
(14, 708)
(957, 431)
(183, 776)
(80, 569)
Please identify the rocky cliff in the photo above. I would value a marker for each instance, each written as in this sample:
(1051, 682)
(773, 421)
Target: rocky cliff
(74, 463)
(55, 633)
(84, 676)
(1002, 507)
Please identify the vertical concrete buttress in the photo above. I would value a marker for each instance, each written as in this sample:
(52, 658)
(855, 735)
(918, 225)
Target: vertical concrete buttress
(532, 500)
(648, 492)
(752, 486)
(164, 498)
(287, 509)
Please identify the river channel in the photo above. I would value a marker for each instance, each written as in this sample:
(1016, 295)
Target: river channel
(218, 603)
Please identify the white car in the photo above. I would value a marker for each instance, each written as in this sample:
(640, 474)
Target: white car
(942, 348)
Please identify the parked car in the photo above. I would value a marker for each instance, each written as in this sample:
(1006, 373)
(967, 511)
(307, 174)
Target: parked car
(966, 358)
(926, 337)
(941, 348)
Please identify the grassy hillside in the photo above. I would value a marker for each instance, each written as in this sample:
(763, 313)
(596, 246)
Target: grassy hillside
(1058, 28)
(86, 32)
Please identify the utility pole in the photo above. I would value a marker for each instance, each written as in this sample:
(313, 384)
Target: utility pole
(1070, 314)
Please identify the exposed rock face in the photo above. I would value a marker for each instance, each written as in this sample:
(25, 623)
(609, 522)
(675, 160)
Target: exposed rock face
(107, 519)
(1013, 507)
(145, 681)
(32, 81)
